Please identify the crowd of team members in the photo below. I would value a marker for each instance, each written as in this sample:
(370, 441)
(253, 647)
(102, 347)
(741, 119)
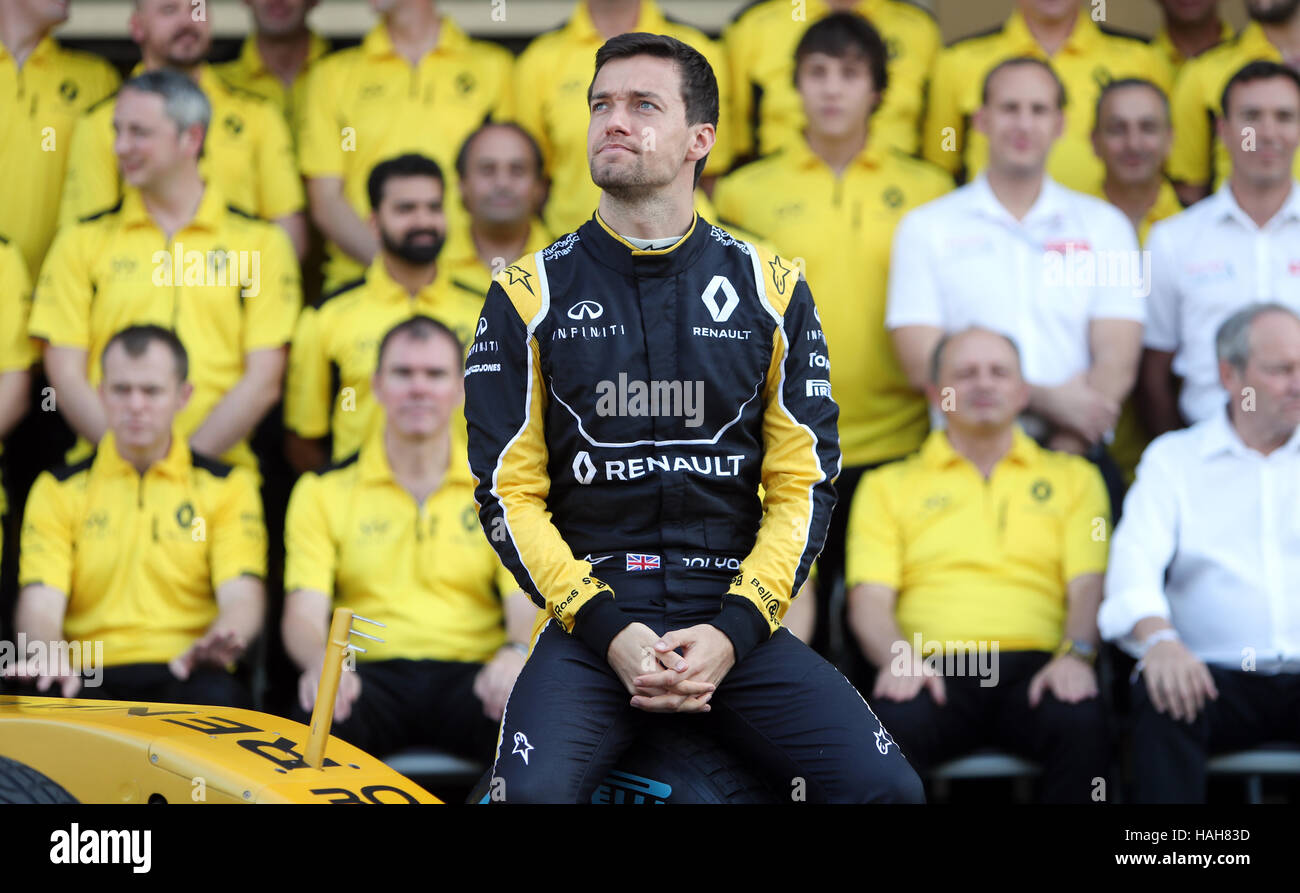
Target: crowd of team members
(989, 336)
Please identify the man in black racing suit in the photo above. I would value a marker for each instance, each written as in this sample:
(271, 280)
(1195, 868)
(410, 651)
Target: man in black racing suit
(628, 389)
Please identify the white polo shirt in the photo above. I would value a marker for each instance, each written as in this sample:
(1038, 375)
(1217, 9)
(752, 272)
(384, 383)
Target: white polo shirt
(964, 260)
(1223, 522)
(1206, 263)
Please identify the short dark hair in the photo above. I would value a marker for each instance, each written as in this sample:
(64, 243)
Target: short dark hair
(1017, 62)
(936, 358)
(135, 340)
(1260, 70)
(409, 165)
(843, 34)
(1124, 84)
(699, 85)
(462, 157)
(421, 328)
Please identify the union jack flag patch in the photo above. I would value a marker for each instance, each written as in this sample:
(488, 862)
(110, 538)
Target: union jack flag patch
(638, 562)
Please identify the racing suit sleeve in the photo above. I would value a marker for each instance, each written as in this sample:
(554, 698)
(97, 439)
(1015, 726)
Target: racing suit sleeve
(505, 410)
(801, 459)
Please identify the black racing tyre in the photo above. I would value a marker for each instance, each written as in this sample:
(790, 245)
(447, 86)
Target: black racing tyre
(20, 783)
(670, 764)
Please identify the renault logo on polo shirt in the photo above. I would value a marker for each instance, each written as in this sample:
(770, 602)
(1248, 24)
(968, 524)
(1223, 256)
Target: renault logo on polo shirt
(720, 313)
(583, 470)
(586, 310)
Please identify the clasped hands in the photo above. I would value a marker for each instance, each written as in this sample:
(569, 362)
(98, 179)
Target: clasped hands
(662, 681)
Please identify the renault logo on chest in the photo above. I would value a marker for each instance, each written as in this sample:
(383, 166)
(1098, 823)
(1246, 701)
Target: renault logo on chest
(583, 470)
(720, 312)
(586, 310)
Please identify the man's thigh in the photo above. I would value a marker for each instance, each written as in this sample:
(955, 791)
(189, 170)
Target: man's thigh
(449, 715)
(379, 721)
(567, 722)
(794, 716)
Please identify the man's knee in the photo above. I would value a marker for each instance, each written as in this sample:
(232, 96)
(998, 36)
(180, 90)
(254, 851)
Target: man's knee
(867, 783)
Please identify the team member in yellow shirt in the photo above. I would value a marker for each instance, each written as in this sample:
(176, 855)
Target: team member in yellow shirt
(1132, 137)
(248, 154)
(155, 552)
(502, 185)
(551, 81)
(1084, 56)
(275, 59)
(392, 533)
(44, 89)
(1199, 161)
(333, 355)
(1190, 28)
(976, 569)
(417, 83)
(766, 109)
(833, 198)
(17, 354)
(170, 252)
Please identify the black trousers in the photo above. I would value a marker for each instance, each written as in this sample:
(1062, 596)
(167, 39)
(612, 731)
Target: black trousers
(1169, 757)
(405, 703)
(209, 686)
(1070, 741)
(783, 710)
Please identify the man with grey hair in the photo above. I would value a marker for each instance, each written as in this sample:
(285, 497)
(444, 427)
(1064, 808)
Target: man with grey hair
(1202, 582)
(974, 571)
(250, 154)
(171, 252)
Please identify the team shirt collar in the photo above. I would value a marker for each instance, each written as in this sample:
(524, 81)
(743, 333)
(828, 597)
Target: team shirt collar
(384, 287)
(378, 44)
(1228, 209)
(1051, 202)
(649, 19)
(209, 216)
(1084, 37)
(1165, 44)
(375, 468)
(176, 464)
(937, 451)
(459, 248)
(870, 158)
(46, 50)
(1220, 437)
(1254, 43)
(250, 57)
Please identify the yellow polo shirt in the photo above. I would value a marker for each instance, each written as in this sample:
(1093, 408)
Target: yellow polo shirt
(976, 559)
(336, 349)
(551, 81)
(39, 106)
(766, 109)
(141, 556)
(1165, 46)
(425, 569)
(249, 73)
(367, 104)
(17, 352)
(247, 153)
(794, 201)
(1198, 156)
(1090, 59)
(117, 269)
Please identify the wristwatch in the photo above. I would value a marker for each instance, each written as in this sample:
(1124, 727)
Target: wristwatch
(1076, 648)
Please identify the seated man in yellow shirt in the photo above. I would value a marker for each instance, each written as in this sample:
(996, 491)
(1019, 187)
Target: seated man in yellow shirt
(172, 253)
(392, 532)
(975, 570)
(333, 354)
(154, 553)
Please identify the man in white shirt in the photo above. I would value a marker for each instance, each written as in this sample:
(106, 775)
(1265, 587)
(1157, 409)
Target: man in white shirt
(1202, 584)
(1057, 271)
(1239, 245)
